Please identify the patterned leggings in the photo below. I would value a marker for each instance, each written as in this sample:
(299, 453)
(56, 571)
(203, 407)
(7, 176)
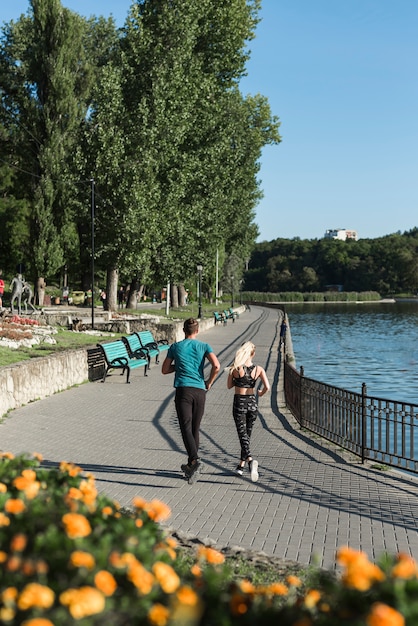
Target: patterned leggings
(244, 411)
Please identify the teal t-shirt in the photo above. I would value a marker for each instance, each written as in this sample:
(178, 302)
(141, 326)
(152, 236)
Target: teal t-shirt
(189, 359)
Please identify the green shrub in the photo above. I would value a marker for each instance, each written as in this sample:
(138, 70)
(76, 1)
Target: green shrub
(71, 556)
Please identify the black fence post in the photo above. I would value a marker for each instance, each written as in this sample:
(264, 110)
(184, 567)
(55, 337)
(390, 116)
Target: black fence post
(302, 371)
(363, 420)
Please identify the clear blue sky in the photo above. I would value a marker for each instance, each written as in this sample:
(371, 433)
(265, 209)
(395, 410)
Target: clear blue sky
(342, 76)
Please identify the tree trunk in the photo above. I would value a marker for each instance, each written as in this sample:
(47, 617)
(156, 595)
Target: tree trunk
(182, 295)
(40, 291)
(111, 303)
(134, 293)
(174, 296)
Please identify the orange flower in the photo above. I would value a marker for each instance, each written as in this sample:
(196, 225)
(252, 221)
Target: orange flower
(13, 564)
(79, 558)
(158, 615)
(239, 604)
(186, 595)
(406, 567)
(9, 595)
(158, 511)
(210, 555)
(105, 582)
(107, 510)
(4, 520)
(276, 589)
(76, 525)
(359, 572)
(246, 586)
(166, 576)
(27, 483)
(74, 494)
(89, 491)
(384, 615)
(70, 469)
(3, 488)
(38, 621)
(139, 523)
(293, 581)
(7, 455)
(140, 577)
(35, 595)
(312, 598)
(18, 543)
(3, 556)
(196, 570)
(83, 602)
(14, 506)
(38, 456)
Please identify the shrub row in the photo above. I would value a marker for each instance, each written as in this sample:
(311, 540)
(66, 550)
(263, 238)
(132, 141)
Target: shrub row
(297, 296)
(71, 556)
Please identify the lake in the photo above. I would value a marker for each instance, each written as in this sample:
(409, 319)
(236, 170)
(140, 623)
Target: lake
(347, 344)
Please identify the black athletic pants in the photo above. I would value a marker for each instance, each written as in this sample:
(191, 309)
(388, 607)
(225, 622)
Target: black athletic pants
(190, 406)
(245, 411)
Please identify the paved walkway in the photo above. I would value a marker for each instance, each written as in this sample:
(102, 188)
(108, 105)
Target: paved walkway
(310, 499)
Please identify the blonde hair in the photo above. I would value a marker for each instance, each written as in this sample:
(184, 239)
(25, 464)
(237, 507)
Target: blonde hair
(242, 355)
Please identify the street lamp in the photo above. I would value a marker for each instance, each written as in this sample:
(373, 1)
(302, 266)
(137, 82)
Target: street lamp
(199, 270)
(232, 290)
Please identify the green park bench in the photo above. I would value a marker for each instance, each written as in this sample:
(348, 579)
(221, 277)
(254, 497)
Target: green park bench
(117, 357)
(154, 348)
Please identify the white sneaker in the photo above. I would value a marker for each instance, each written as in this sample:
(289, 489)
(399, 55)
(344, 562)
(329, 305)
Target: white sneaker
(254, 470)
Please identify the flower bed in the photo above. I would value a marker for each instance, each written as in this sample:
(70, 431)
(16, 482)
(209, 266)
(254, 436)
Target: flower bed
(18, 331)
(70, 556)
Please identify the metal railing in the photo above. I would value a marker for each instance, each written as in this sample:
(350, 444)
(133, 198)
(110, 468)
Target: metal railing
(377, 429)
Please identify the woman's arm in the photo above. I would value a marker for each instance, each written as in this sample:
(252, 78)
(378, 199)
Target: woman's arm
(266, 385)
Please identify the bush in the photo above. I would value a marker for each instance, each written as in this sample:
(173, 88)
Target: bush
(70, 556)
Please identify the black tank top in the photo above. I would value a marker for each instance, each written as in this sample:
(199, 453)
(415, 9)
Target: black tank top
(246, 381)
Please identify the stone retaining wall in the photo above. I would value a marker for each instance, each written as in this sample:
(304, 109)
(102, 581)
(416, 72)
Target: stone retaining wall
(41, 377)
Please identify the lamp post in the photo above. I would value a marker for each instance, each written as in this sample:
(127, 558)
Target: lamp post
(232, 291)
(199, 270)
(240, 291)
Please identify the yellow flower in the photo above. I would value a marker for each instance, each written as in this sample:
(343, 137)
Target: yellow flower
(14, 506)
(83, 602)
(210, 555)
(35, 595)
(140, 577)
(79, 558)
(105, 582)
(7, 614)
(406, 567)
(384, 615)
(3, 488)
(158, 615)
(76, 525)
(166, 576)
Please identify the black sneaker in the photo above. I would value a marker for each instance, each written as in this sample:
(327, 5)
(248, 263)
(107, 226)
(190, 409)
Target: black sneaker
(239, 470)
(253, 466)
(196, 470)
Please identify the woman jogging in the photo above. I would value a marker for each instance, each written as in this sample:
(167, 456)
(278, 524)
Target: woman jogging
(243, 376)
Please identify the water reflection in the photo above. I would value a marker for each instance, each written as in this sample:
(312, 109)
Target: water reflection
(348, 344)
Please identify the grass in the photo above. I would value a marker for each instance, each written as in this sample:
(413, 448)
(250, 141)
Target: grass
(69, 340)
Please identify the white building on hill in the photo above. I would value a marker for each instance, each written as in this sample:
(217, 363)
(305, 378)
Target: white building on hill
(341, 233)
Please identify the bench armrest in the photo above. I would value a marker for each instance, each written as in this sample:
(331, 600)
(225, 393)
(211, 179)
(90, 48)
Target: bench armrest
(122, 360)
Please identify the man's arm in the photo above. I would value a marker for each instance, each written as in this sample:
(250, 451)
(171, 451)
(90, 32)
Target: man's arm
(168, 366)
(213, 360)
